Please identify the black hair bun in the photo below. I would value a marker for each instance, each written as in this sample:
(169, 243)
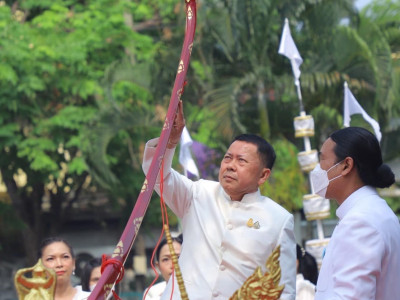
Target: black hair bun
(385, 176)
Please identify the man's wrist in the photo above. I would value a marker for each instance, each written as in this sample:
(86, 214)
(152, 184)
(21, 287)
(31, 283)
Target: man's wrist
(171, 145)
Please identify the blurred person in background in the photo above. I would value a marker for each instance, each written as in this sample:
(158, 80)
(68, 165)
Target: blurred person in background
(163, 262)
(57, 254)
(91, 274)
(307, 274)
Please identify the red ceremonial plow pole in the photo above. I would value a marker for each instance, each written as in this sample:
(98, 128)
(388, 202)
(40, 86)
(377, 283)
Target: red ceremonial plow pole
(112, 271)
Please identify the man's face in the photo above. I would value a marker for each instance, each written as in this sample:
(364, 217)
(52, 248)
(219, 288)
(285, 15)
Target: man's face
(241, 170)
(327, 162)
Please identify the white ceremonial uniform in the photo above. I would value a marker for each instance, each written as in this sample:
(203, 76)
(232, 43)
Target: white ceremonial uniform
(220, 251)
(362, 260)
(80, 295)
(305, 289)
(155, 291)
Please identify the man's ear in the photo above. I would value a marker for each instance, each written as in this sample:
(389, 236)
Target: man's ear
(264, 175)
(348, 165)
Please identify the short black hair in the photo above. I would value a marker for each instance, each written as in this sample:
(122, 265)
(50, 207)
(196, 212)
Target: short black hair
(87, 272)
(178, 239)
(264, 149)
(54, 239)
(307, 265)
(363, 147)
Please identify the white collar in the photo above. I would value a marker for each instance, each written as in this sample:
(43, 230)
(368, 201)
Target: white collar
(353, 199)
(247, 198)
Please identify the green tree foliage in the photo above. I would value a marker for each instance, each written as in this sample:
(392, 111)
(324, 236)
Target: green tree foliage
(385, 18)
(53, 59)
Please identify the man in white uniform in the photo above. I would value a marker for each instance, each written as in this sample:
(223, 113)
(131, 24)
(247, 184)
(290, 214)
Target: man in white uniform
(229, 228)
(362, 260)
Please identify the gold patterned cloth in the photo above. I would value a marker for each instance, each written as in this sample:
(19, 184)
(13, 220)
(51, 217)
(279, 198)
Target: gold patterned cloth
(304, 126)
(316, 207)
(307, 160)
(263, 286)
(35, 283)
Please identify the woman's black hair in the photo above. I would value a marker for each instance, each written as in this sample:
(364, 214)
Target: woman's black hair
(51, 240)
(363, 147)
(178, 239)
(87, 272)
(307, 265)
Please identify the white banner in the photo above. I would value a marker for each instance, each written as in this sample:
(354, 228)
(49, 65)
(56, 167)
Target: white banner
(288, 48)
(185, 156)
(351, 107)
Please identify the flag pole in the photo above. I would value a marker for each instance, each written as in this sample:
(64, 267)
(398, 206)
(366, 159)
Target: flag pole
(299, 97)
(345, 87)
(304, 123)
(307, 148)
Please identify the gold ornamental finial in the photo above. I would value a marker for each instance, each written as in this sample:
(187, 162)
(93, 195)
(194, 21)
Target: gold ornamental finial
(39, 286)
(263, 286)
(177, 269)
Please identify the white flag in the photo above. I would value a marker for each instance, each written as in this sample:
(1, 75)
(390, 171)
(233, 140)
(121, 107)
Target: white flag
(351, 107)
(185, 156)
(288, 48)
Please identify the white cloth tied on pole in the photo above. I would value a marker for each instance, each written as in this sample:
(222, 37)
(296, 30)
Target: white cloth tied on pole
(288, 48)
(351, 107)
(185, 156)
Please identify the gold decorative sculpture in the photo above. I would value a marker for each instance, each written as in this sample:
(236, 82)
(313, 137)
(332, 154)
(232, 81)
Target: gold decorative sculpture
(263, 286)
(40, 286)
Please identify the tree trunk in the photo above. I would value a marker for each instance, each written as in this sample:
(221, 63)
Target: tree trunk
(263, 110)
(31, 245)
(28, 209)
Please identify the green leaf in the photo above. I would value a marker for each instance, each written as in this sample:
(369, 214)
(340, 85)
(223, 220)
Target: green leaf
(42, 162)
(77, 165)
(8, 74)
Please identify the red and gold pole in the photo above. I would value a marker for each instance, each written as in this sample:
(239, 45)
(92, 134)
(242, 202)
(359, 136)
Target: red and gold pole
(111, 273)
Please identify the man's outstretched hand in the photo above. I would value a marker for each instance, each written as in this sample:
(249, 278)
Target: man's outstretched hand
(177, 127)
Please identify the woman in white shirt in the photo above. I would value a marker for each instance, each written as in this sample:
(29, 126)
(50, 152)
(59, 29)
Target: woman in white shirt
(165, 266)
(57, 254)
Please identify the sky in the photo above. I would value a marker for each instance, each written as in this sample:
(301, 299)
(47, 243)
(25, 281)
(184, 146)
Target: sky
(361, 3)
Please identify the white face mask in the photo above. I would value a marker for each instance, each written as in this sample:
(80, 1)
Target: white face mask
(320, 181)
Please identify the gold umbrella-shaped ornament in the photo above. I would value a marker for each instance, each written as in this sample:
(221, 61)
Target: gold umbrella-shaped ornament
(35, 283)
